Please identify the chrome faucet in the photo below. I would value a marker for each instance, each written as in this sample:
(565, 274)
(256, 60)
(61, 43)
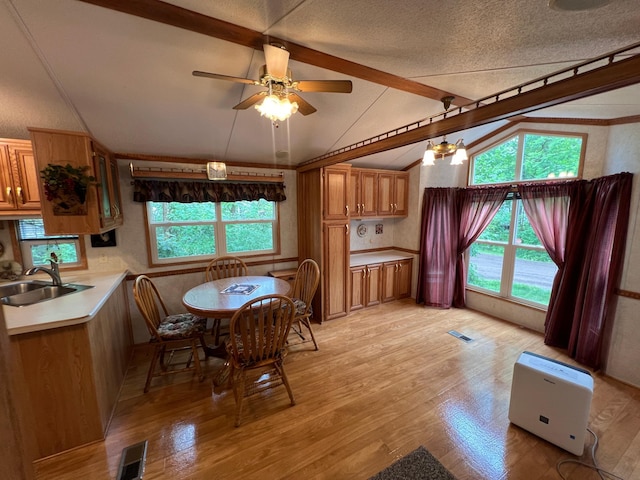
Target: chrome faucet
(53, 272)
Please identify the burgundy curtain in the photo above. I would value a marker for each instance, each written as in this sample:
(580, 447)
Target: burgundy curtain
(452, 219)
(438, 247)
(478, 206)
(584, 289)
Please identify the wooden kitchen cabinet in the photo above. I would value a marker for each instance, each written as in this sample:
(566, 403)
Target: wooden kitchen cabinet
(335, 185)
(103, 199)
(73, 375)
(363, 193)
(365, 286)
(396, 280)
(393, 194)
(19, 178)
(323, 235)
(336, 269)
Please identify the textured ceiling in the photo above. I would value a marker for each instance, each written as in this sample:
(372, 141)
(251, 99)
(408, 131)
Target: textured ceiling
(127, 80)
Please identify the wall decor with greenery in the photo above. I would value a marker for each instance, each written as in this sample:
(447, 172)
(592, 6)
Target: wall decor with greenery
(66, 186)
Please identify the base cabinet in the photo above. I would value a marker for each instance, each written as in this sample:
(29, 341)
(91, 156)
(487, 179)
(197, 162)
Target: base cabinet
(73, 376)
(396, 280)
(365, 286)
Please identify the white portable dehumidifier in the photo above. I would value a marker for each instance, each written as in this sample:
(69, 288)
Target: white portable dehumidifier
(551, 400)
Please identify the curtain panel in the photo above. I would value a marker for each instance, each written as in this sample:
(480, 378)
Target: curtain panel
(205, 191)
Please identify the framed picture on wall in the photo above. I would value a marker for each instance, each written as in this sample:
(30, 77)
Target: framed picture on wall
(107, 239)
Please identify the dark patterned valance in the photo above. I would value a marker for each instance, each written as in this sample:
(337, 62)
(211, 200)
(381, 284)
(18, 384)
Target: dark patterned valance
(205, 191)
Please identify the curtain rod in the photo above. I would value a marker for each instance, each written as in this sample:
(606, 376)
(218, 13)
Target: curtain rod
(201, 174)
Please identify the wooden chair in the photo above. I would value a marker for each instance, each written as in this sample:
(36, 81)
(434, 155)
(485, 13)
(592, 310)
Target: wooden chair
(304, 288)
(169, 333)
(257, 341)
(223, 267)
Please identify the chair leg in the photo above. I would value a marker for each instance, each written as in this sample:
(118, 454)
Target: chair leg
(196, 359)
(154, 358)
(307, 323)
(280, 368)
(239, 384)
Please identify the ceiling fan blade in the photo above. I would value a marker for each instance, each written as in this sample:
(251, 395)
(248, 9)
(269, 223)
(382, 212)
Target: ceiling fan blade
(248, 81)
(252, 100)
(277, 60)
(304, 107)
(334, 86)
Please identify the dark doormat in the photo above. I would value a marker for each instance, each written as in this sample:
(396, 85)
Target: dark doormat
(417, 465)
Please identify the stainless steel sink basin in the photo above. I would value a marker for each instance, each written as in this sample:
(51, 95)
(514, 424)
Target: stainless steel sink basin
(21, 287)
(28, 293)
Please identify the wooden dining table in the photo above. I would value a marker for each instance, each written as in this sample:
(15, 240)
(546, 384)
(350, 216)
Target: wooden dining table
(223, 297)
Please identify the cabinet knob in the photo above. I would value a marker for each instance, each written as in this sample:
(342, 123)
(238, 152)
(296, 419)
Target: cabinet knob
(9, 195)
(347, 228)
(346, 207)
(19, 194)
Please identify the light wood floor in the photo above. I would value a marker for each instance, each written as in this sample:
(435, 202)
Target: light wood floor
(385, 380)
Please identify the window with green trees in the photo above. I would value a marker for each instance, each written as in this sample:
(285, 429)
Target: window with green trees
(508, 259)
(195, 231)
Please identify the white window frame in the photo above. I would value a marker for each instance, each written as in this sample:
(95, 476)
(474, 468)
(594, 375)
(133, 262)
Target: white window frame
(219, 231)
(510, 247)
(26, 258)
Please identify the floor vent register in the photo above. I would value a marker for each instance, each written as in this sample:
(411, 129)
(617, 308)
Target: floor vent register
(132, 461)
(462, 337)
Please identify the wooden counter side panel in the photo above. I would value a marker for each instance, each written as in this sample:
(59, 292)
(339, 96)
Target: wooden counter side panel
(61, 387)
(111, 343)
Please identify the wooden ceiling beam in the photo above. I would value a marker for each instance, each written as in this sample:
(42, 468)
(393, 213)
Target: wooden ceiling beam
(168, 14)
(609, 77)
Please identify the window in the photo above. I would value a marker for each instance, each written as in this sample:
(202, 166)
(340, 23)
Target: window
(508, 259)
(36, 247)
(198, 231)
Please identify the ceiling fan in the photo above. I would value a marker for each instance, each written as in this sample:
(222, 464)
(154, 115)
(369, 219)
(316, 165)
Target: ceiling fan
(281, 88)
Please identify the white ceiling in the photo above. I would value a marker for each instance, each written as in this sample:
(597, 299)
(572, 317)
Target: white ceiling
(71, 65)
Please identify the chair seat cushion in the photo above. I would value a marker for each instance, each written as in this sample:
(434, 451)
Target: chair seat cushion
(301, 306)
(181, 325)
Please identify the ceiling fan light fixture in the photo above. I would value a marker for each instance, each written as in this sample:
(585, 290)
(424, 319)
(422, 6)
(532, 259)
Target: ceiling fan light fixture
(277, 108)
(277, 60)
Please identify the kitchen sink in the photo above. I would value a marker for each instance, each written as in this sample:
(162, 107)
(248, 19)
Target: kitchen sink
(28, 293)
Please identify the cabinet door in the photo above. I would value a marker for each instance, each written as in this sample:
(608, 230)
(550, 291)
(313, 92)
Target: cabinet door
(368, 193)
(114, 191)
(336, 269)
(336, 183)
(102, 170)
(354, 194)
(385, 193)
(6, 185)
(358, 277)
(403, 280)
(374, 281)
(388, 283)
(401, 194)
(29, 195)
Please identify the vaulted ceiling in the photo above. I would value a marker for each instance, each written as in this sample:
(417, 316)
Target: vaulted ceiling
(121, 70)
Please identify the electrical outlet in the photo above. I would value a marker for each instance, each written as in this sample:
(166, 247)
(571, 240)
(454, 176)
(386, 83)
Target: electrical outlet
(104, 259)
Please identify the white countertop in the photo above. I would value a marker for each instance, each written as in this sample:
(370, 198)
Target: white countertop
(70, 309)
(358, 259)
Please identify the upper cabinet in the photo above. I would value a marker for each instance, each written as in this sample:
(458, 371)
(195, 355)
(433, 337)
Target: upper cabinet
(103, 203)
(335, 189)
(363, 195)
(19, 194)
(393, 193)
